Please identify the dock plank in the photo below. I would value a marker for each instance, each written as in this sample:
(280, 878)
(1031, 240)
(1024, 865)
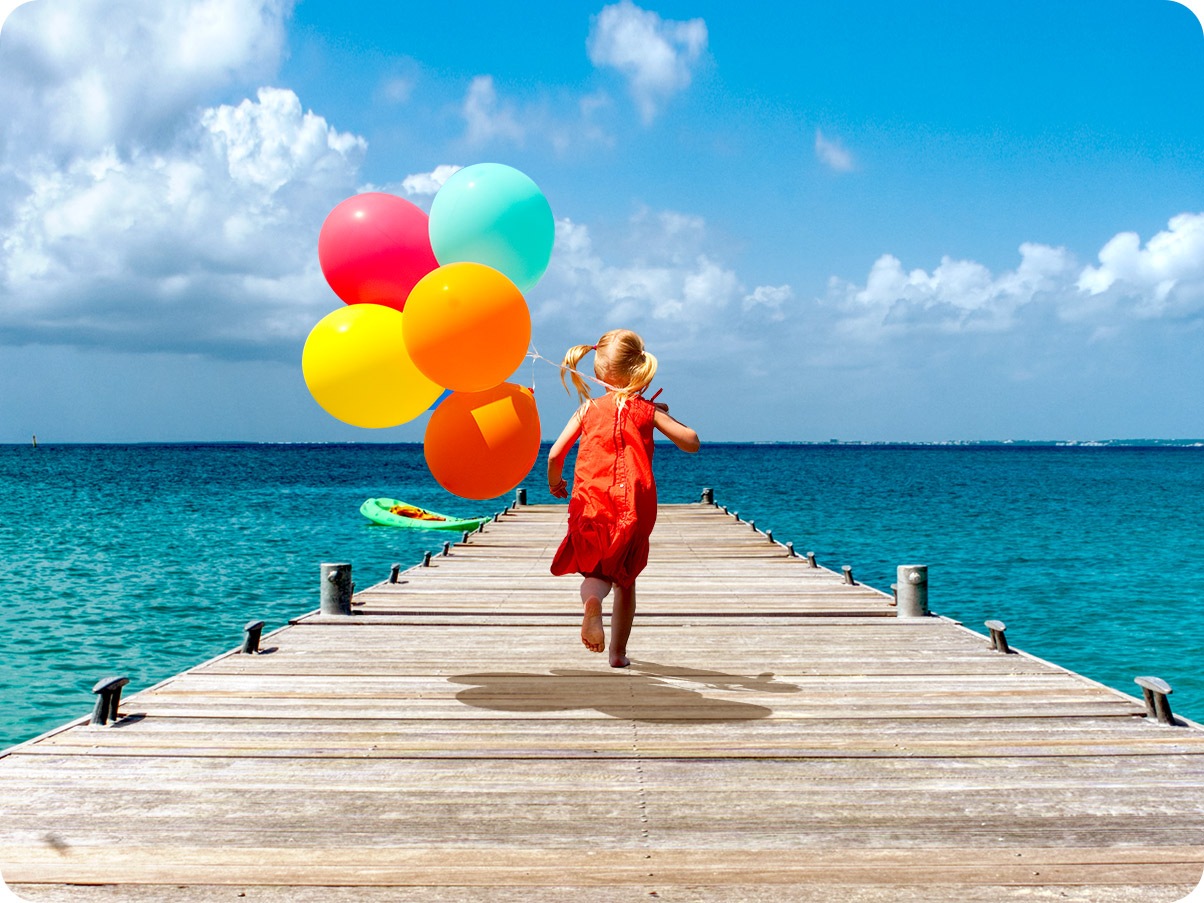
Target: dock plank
(779, 736)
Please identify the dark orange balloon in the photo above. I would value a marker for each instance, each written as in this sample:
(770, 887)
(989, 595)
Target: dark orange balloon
(480, 445)
(467, 326)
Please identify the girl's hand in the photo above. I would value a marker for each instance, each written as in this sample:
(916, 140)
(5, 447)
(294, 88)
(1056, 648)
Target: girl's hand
(559, 490)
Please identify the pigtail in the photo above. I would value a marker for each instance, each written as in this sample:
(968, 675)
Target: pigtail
(568, 367)
(642, 373)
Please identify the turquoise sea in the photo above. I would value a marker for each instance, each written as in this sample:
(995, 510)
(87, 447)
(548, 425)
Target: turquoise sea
(144, 560)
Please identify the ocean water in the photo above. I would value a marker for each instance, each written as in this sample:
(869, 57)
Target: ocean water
(145, 560)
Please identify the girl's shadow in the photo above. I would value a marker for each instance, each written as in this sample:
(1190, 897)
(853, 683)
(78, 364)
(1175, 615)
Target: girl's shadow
(634, 695)
(716, 680)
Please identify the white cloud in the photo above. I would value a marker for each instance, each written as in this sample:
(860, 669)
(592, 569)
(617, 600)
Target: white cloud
(1162, 280)
(137, 215)
(564, 121)
(270, 143)
(671, 287)
(770, 299)
(656, 56)
(486, 118)
(427, 184)
(398, 89)
(209, 247)
(1165, 278)
(78, 77)
(832, 154)
(957, 296)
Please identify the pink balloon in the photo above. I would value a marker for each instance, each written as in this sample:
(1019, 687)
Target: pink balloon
(373, 248)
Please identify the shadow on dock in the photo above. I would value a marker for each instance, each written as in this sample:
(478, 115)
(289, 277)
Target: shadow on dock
(630, 695)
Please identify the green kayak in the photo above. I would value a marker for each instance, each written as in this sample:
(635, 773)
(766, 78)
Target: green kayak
(395, 513)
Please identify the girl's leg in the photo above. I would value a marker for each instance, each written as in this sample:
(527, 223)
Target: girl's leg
(593, 591)
(622, 613)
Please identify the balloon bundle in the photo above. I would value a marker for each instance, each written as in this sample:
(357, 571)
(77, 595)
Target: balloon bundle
(435, 316)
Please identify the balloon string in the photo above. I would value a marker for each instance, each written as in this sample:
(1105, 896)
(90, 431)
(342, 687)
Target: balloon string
(536, 356)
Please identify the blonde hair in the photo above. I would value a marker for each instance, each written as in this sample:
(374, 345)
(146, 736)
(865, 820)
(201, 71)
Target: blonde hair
(620, 363)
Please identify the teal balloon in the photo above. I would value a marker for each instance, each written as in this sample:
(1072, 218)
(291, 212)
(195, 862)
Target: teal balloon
(493, 214)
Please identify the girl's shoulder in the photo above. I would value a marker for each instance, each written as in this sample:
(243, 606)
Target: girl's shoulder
(644, 405)
(588, 411)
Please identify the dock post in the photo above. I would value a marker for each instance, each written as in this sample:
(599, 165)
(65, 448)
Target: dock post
(708, 496)
(811, 560)
(999, 642)
(394, 572)
(913, 591)
(250, 642)
(848, 575)
(447, 548)
(520, 496)
(1155, 690)
(336, 589)
(108, 699)
(426, 559)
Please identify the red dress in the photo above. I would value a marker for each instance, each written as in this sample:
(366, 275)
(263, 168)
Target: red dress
(613, 506)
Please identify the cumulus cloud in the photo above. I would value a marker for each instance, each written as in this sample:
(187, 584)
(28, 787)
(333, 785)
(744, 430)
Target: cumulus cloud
(657, 57)
(563, 121)
(770, 299)
(208, 247)
(1164, 279)
(671, 288)
(427, 184)
(957, 296)
(832, 154)
(270, 143)
(398, 89)
(486, 118)
(135, 213)
(76, 78)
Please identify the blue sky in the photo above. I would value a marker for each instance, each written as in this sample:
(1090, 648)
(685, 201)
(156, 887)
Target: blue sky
(879, 221)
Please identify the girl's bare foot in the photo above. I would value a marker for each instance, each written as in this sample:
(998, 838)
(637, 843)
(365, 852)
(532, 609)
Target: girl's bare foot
(618, 661)
(593, 637)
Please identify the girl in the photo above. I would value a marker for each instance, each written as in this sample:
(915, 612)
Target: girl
(613, 507)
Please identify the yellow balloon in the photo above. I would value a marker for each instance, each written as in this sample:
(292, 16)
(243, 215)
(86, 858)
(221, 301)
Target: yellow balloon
(357, 368)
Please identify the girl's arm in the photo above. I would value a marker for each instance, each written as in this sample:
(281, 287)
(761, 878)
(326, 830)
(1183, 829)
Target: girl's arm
(680, 434)
(560, 449)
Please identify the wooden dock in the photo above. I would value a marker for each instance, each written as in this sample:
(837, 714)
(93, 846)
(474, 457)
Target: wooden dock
(779, 736)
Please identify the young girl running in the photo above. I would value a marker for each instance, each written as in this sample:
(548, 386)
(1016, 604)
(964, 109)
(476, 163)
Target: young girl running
(613, 507)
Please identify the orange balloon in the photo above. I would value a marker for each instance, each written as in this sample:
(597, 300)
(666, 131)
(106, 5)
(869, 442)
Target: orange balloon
(479, 445)
(467, 326)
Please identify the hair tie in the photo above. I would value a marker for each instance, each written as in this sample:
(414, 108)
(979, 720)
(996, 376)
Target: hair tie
(593, 347)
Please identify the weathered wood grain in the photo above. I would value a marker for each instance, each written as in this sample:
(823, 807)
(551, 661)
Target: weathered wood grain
(779, 736)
